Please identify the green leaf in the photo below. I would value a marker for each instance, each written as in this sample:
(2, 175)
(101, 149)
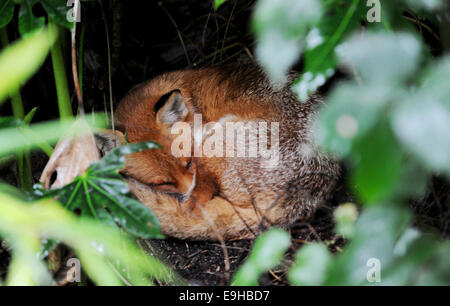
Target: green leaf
(7, 122)
(14, 192)
(350, 113)
(20, 60)
(434, 82)
(391, 16)
(338, 19)
(28, 117)
(101, 193)
(414, 180)
(280, 27)
(419, 125)
(430, 5)
(405, 241)
(311, 264)
(267, 252)
(29, 23)
(421, 119)
(107, 255)
(57, 11)
(381, 58)
(19, 137)
(218, 3)
(345, 216)
(414, 252)
(6, 12)
(352, 126)
(377, 231)
(436, 270)
(379, 163)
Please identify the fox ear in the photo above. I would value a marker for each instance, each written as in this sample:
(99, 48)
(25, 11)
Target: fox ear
(170, 108)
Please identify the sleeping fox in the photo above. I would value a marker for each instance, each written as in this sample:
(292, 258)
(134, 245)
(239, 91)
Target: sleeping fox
(197, 184)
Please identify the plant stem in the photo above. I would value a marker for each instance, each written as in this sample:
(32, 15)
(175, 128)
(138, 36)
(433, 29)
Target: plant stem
(25, 179)
(59, 71)
(80, 57)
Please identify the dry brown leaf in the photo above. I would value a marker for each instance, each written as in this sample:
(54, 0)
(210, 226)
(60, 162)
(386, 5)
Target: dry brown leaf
(71, 157)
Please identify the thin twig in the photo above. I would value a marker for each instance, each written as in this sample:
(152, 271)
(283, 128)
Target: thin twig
(311, 228)
(109, 68)
(275, 276)
(76, 81)
(226, 29)
(178, 32)
(421, 25)
(204, 30)
(219, 237)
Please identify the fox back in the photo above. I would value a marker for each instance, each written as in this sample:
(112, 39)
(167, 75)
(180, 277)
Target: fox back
(236, 111)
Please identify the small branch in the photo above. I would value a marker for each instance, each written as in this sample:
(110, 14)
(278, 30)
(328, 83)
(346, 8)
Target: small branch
(109, 68)
(421, 25)
(178, 32)
(226, 30)
(76, 81)
(219, 237)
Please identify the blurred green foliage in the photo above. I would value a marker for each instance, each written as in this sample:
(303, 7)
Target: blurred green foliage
(102, 194)
(218, 3)
(345, 216)
(31, 51)
(310, 266)
(56, 10)
(390, 125)
(267, 252)
(104, 252)
(280, 27)
(108, 254)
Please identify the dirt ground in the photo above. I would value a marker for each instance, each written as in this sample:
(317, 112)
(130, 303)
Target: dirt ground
(203, 263)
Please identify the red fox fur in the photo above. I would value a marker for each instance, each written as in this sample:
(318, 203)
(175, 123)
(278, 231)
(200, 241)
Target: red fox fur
(223, 197)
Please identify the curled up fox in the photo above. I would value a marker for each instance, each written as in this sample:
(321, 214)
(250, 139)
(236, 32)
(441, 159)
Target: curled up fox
(237, 152)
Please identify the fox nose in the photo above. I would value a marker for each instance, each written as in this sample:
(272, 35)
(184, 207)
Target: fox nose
(198, 188)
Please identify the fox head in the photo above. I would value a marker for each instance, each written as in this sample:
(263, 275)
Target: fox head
(145, 116)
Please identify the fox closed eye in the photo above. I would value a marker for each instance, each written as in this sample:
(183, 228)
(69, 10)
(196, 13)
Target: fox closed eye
(169, 187)
(189, 164)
